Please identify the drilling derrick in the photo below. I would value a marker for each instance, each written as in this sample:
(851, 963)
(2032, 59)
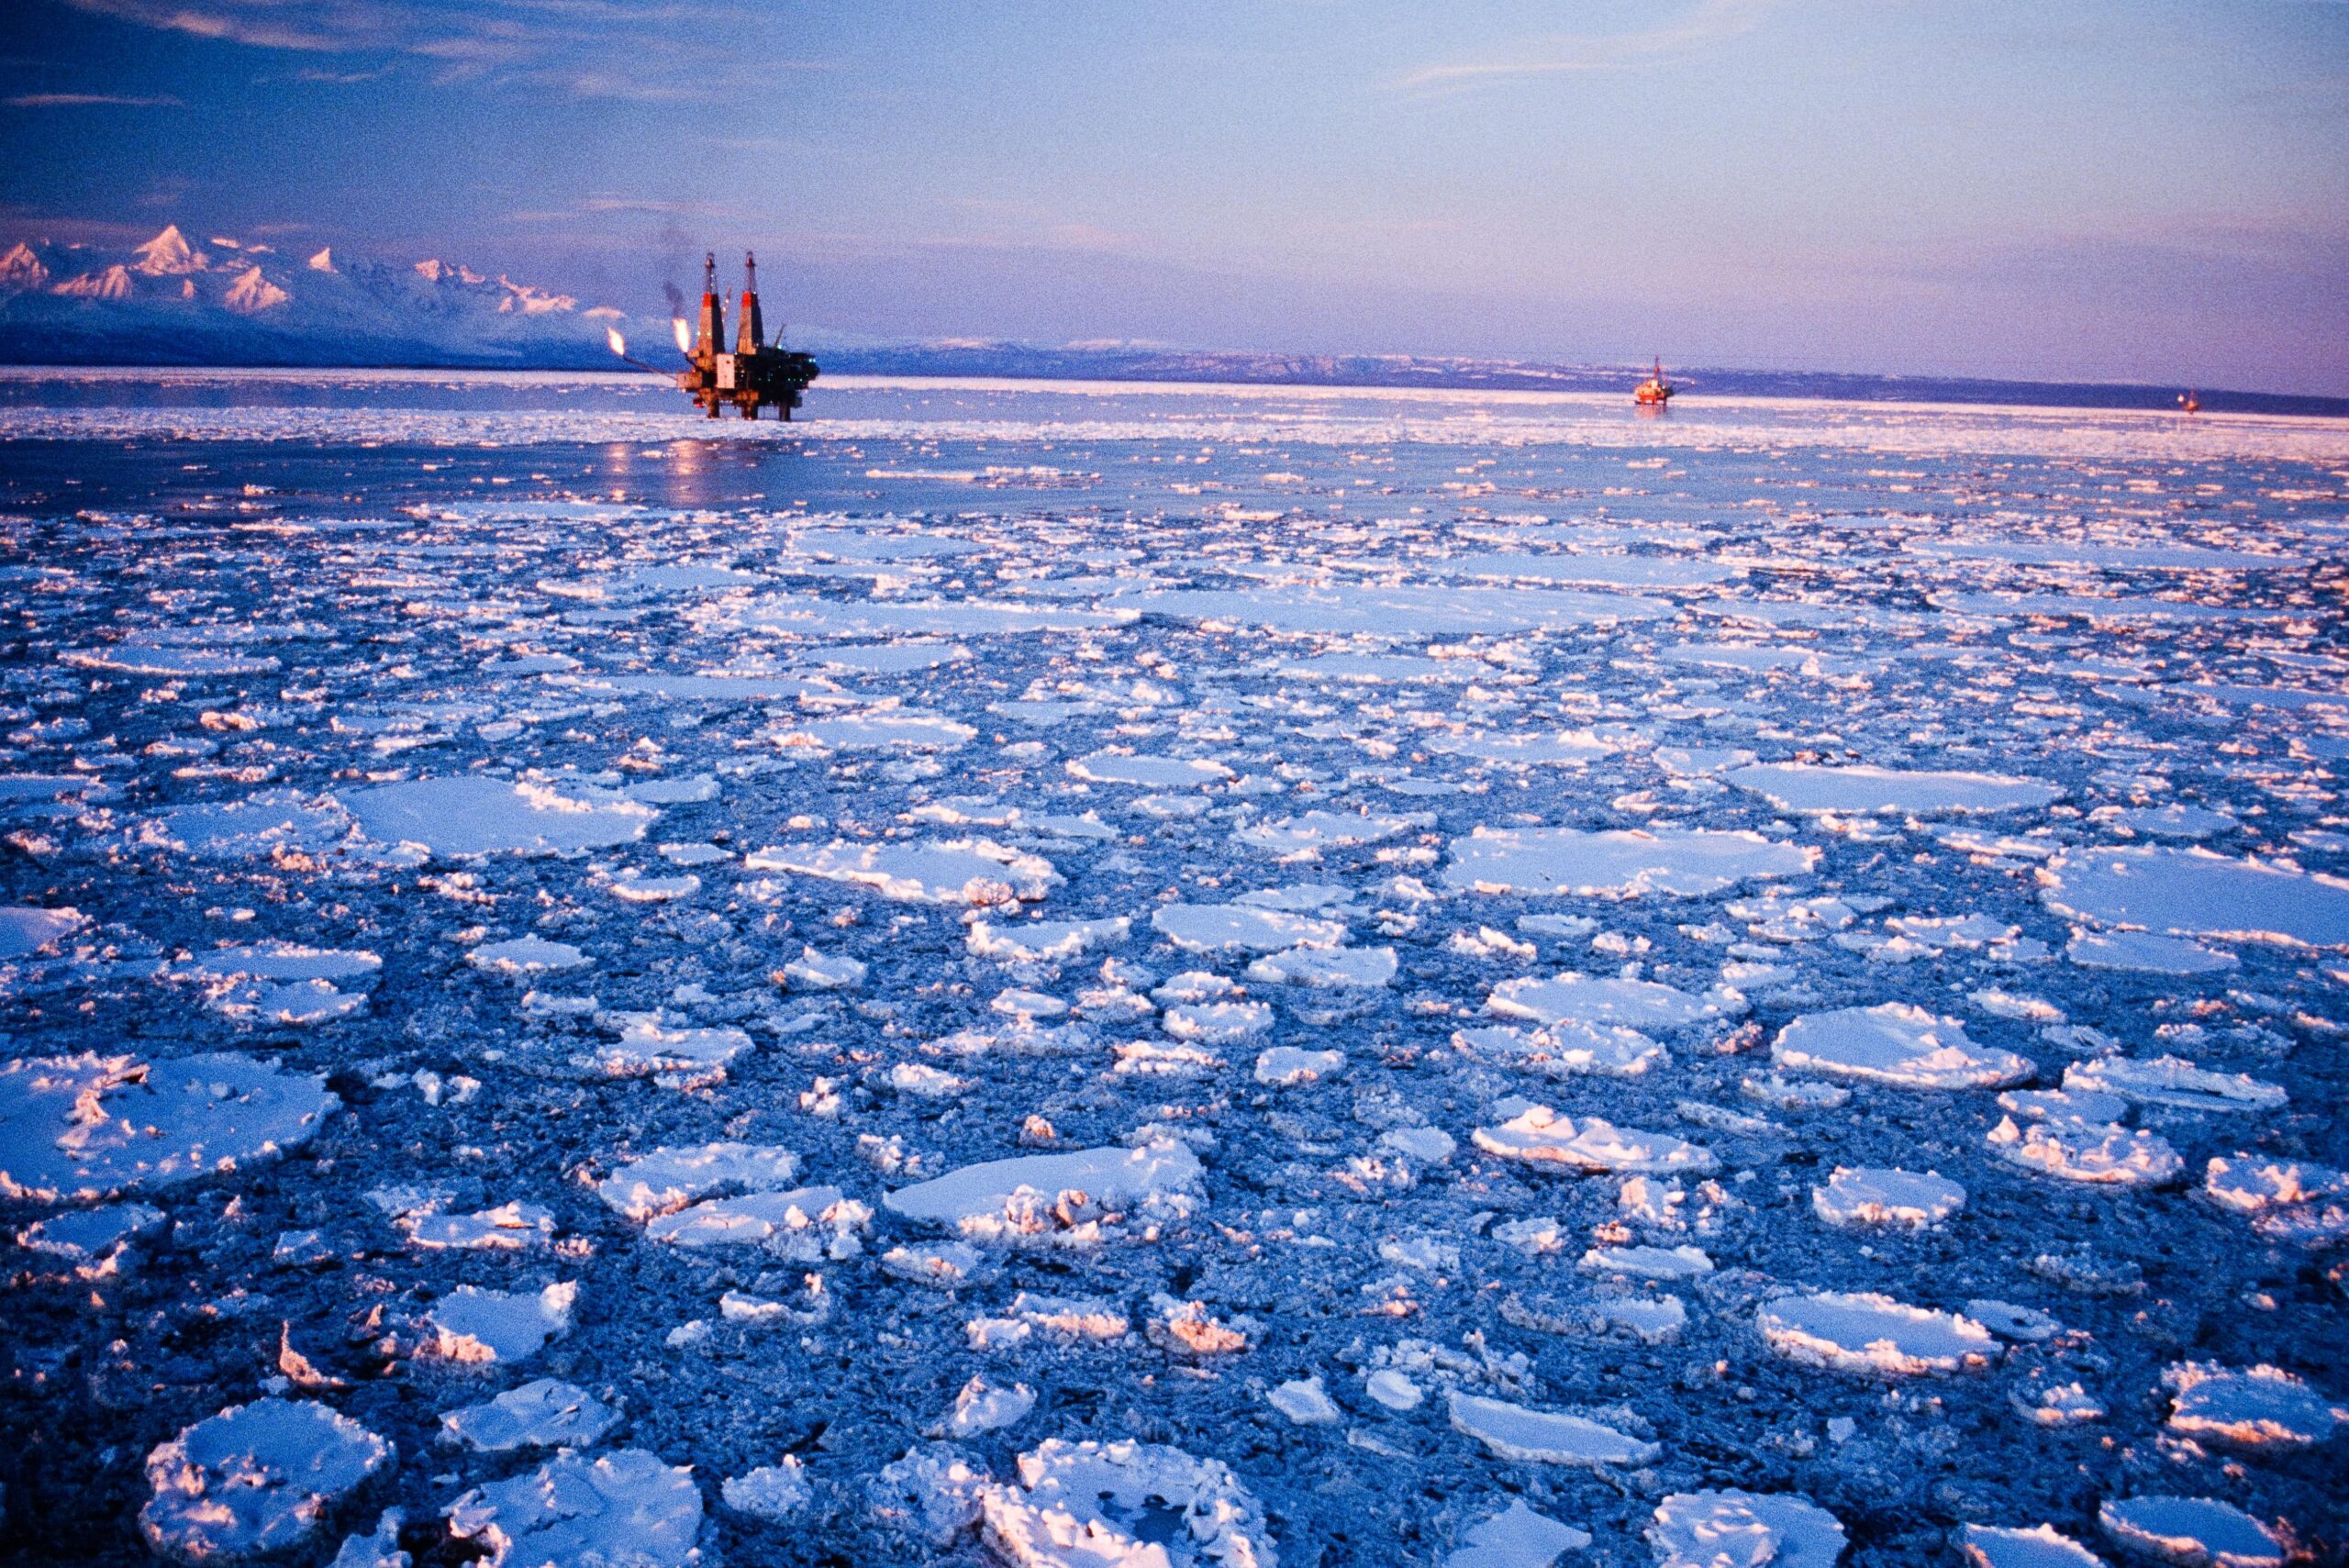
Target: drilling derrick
(757, 373)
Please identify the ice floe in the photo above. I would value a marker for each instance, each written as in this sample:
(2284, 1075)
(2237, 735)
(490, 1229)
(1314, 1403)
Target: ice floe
(481, 1327)
(1541, 1137)
(1096, 1505)
(1685, 862)
(1910, 1200)
(2193, 1532)
(459, 818)
(1867, 1332)
(256, 1480)
(975, 872)
(1544, 1436)
(626, 1506)
(1076, 1198)
(1810, 788)
(1899, 1044)
(1730, 1528)
(545, 1413)
(89, 1127)
(2196, 893)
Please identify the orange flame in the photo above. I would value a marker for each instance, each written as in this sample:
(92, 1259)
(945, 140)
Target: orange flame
(618, 343)
(684, 334)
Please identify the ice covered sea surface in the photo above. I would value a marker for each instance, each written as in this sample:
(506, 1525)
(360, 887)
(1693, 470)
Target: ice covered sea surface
(1170, 977)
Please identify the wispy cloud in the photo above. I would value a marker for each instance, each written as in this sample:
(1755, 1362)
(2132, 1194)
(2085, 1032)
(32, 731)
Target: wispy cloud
(653, 50)
(88, 101)
(1709, 22)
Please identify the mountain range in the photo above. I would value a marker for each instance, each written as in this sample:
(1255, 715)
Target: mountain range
(225, 302)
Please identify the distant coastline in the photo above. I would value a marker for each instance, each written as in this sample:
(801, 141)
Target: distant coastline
(1019, 361)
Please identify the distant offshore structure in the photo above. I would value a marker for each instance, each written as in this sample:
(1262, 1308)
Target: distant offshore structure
(1655, 391)
(756, 375)
(2191, 400)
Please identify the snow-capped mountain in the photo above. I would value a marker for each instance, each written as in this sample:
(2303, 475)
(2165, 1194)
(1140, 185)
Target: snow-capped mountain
(171, 301)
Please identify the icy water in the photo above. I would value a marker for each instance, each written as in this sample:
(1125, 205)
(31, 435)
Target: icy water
(1167, 977)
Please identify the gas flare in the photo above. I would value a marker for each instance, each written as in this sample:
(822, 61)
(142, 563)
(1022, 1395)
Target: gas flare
(684, 334)
(618, 343)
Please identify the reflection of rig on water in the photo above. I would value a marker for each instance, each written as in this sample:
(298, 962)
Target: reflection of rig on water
(756, 374)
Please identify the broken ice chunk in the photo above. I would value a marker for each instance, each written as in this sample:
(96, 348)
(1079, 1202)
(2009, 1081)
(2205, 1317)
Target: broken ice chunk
(1077, 1198)
(1543, 1437)
(1285, 1066)
(1988, 1546)
(1305, 1402)
(255, 1480)
(1217, 1023)
(2174, 1081)
(1867, 1332)
(1226, 927)
(2252, 1407)
(943, 1265)
(25, 930)
(91, 1242)
(482, 1326)
(468, 816)
(2248, 1183)
(673, 1057)
(1856, 1195)
(772, 1492)
(1648, 1263)
(1092, 1505)
(2193, 1532)
(981, 1406)
(541, 1413)
(2194, 892)
(525, 956)
(668, 1178)
(976, 871)
(1539, 1136)
(89, 1127)
(822, 971)
(2087, 1152)
(510, 1227)
(2056, 1405)
(1813, 789)
(804, 1225)
(1744, 1529)
(1899, 1044)
(1189, 1328)
(621, 1508)
(1340, 968)
(1034, 941)
(1677, 862)
(2145, 953)
(1517, 1537)
(1563, 1050)
(1570, 997)
(1056, 1321)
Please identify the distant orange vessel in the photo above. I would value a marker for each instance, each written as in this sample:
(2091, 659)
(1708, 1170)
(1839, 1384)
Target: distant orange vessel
(1655, 391)
(2191, 401)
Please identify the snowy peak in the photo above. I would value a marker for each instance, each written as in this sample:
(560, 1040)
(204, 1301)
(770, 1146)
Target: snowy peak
(113, 283)
(169, 255)
(235, 301)
(252, 294)
(22, 269)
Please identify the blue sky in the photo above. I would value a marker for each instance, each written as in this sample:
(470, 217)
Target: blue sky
(2140, 190)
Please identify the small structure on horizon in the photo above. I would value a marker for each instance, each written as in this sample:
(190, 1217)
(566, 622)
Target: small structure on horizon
(1655, 391)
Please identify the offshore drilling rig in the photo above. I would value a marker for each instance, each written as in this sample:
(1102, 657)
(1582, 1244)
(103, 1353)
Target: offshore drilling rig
(757, 373)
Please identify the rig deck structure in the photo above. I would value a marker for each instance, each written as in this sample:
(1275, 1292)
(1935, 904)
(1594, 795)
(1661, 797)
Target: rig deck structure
(757, 374)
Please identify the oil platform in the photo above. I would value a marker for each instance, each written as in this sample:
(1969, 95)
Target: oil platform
(757, 374)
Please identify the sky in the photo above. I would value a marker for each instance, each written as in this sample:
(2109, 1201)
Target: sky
(2139, 190)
